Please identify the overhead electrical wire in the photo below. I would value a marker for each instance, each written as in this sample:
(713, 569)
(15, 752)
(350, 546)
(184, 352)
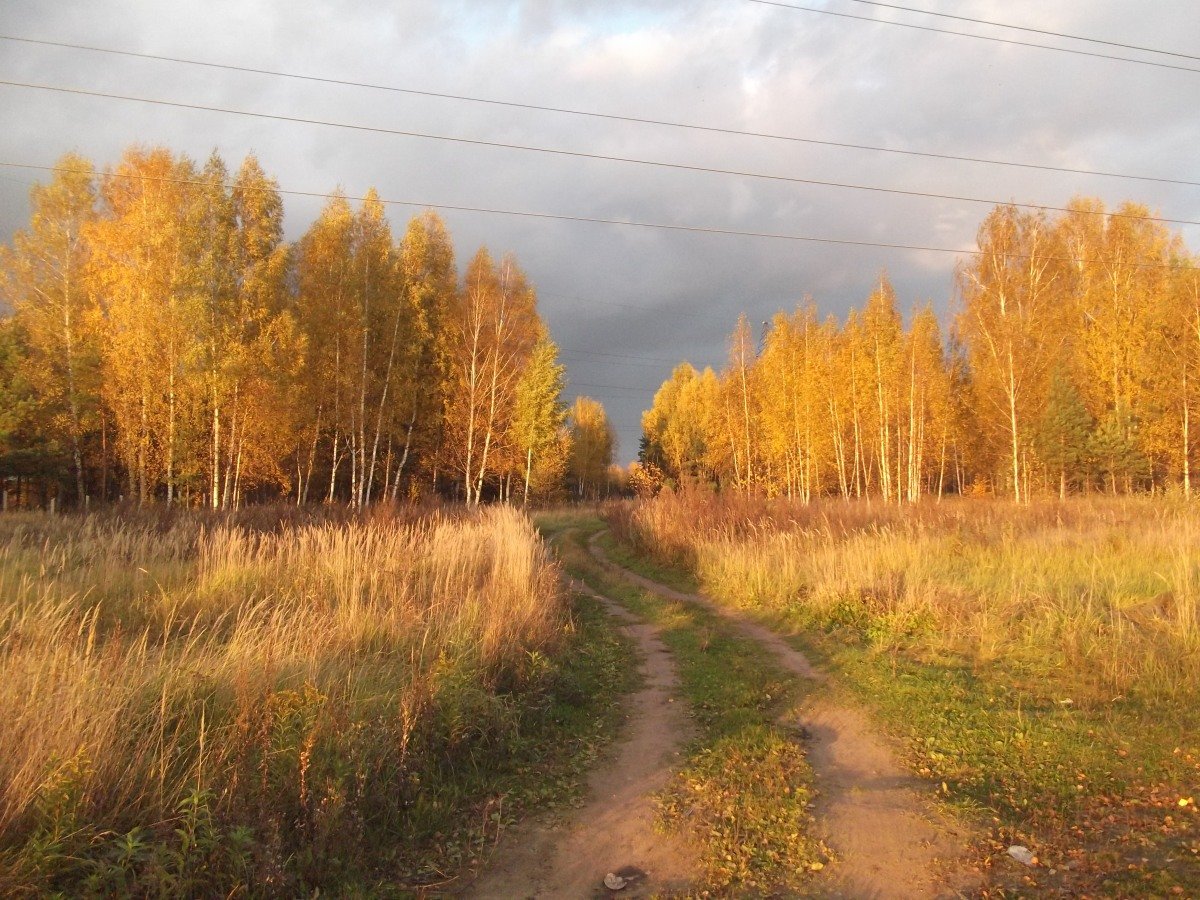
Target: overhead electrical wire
(641, 308)
(614, 387)
(1025, 28)
(981, 37)
(575, 154)
(667, 123)
(562, 217)
(648, 360)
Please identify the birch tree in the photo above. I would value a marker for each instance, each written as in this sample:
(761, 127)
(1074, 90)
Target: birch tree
(428, 277)
(493, 329)
(141, 272)
(539, 416)
(325, 315)
(593, 443)
(1011, 327)
(45, 280)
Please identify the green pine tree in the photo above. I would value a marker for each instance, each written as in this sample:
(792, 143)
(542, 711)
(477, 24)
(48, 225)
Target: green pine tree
(1115, 448)
(1064, 433)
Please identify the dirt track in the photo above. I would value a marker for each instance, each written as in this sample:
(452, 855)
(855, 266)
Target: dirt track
(614, 831)
(888, 836)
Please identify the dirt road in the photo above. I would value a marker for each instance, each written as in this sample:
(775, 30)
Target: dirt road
(568, 857)
(889, 838)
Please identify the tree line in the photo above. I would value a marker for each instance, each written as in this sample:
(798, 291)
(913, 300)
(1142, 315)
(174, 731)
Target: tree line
(167, 344)
(1072, 364)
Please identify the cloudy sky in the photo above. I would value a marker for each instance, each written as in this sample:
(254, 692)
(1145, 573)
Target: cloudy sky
(626, 303)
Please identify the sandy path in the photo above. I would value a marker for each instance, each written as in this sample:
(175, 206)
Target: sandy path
(889, 838)
(614, 831)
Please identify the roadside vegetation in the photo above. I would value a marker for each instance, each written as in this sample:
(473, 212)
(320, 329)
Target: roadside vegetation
(275, 704)
(1043, 661)
(745, 787)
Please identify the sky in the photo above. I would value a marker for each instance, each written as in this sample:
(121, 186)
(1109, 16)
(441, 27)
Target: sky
(624, 303)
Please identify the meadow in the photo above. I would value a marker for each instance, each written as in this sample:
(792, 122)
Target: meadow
(1039, 662)
(277, 701)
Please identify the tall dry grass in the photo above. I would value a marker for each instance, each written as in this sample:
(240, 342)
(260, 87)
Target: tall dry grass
(1096, 593)
(190, 705)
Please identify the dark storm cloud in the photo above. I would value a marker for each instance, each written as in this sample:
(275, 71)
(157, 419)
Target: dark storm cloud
(611, 293)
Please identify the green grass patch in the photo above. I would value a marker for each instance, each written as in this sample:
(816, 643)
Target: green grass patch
(1093, 787)
(746, 787)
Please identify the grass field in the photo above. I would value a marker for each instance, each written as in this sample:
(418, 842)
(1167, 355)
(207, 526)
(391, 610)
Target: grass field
(1042, 662)
(276, 704)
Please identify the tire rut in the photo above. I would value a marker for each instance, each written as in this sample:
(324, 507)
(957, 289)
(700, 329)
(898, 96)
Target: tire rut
(568, 855)
(889, 838)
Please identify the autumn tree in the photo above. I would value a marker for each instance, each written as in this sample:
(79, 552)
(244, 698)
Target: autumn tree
(1012, 330)
(851, 404)
(539, 416)
(144, 285)
(881, 344)
(1173, 383)
(380, 318)
(674, 425)
(429, 279)
(29, 455)
(792, 382)
(45, 280)
(927, 408)
(494, 327)
(250, 340)
(593, 444)
(324, 312)
(738, 403)
(1121, 272)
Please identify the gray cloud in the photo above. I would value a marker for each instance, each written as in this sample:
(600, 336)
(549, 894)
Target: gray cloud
(619, 291)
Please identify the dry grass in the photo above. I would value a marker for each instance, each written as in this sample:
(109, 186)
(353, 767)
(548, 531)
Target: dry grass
(1096, 592)
(191, 703)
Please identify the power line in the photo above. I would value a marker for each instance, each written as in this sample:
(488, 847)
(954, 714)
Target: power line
(692, 126)
(573, 360)
(615, 387)
(576, 154)
(635, 307)
(1047, 32)
(631, 306)
(979, 37)
(562, 217)
(649, 360)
